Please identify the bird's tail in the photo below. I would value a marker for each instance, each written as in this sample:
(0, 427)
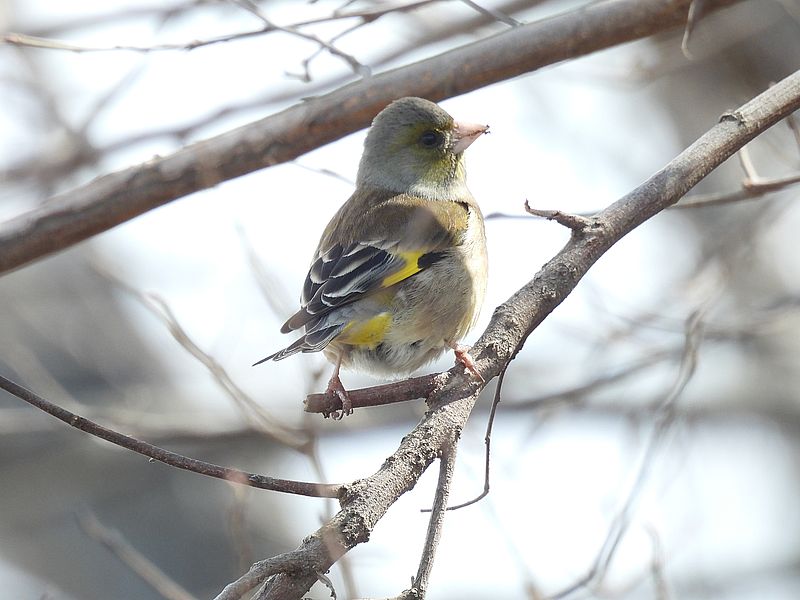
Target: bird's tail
(312, 341)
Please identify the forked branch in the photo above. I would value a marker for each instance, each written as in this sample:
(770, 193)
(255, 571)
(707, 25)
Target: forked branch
(365, 501)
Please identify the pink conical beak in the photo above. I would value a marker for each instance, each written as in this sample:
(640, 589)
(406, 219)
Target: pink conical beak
(465, 134)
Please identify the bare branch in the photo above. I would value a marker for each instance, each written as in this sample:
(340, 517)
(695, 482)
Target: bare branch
(696, 10)
(487, 440)
(446, 467)
(661, 588)
(115, 198)
(289, 562)
(664, 417)
(160, 10)
(749, 191)
(578, 392)
(317, 490)
(292, 438)
(791, 121)
(135, 560)
(237, 527)
(364, 502)
(365, 16)
(32, 41)
(355, 65)
(390, 393)
(494, 14)
(751, 175)
(577, 223)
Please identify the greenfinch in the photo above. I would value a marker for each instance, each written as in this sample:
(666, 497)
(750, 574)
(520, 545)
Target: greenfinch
(400, 272)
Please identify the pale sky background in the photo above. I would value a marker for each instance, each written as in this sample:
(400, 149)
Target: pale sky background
(575, 137)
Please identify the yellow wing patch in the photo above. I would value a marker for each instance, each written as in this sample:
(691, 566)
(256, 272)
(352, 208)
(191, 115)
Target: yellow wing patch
(410, 268)
(372, 331)
(368, 333)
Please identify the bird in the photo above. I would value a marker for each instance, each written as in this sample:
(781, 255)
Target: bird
(400, 271)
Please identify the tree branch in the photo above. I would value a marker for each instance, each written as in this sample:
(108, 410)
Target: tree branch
(117, 197)
(664, 417)
(364, 502)
(389, 393)
(302, 488)
(133, 559)
(447, 465)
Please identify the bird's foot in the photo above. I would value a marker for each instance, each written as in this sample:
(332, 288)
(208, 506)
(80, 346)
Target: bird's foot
(336, 388)
(465, 358)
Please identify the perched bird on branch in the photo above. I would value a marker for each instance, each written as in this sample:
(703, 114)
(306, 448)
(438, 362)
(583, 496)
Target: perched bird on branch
(400, 271)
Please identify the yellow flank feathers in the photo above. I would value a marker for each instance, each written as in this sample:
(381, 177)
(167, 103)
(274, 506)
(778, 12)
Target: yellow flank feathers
(368, 333)
(410, 268)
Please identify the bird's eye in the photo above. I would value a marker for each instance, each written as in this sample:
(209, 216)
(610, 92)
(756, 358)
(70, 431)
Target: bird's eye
(431, 139)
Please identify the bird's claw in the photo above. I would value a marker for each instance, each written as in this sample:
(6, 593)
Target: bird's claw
(336, 388)
(465, 358)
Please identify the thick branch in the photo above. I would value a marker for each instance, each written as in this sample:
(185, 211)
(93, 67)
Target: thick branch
(115, 198)
(366, 501)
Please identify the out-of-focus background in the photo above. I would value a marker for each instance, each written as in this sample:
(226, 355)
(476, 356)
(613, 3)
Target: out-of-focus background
(603, 465)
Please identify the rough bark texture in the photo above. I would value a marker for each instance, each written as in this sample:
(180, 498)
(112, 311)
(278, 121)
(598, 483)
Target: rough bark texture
(366, 501)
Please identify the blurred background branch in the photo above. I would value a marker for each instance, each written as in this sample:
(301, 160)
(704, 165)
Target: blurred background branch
(117, 197)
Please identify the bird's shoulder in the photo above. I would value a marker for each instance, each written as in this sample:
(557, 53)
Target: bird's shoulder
(388, 219)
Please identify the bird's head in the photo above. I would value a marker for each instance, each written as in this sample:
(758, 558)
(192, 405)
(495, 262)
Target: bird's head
(415, 147)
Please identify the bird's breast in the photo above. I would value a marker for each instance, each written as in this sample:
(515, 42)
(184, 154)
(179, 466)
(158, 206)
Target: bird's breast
(443, 301)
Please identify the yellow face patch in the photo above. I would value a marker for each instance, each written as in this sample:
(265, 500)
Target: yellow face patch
(368, 333)
(410, 268)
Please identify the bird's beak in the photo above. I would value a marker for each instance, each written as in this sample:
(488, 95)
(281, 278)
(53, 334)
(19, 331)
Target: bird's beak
(465, 134)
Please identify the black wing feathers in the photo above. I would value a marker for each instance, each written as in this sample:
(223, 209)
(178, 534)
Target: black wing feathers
(339, 276)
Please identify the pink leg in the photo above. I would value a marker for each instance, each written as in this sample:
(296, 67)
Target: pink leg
(336, 387)
(465, 358)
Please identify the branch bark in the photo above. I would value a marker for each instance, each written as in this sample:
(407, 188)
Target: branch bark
(173, 459)
(364, 502)
(115, 198)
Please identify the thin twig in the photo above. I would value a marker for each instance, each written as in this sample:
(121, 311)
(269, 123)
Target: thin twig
(664, 417)
(306, 75)
(750, 191)
(791, 121)
(292, 438)
(301, 488)
(576, 223)
(661, 588)
(369, 13)
(578, 392)
(751, 175)
(273, 293)
(446, 468)
(379, 395)
(42, 41)
(487, 439)
(237, 527)
(161, 10)
(696, 11)
(31, 41)
(133, 559)
(355, 65)
(494, 14)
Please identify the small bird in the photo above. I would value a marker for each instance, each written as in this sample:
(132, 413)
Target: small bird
(400, 271)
